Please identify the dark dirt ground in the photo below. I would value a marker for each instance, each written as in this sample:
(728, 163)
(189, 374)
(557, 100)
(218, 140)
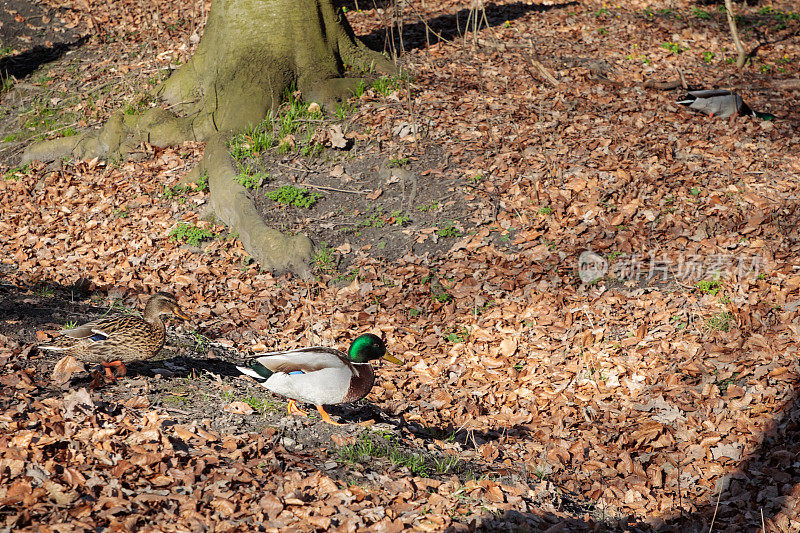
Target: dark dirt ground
(392, 207)
(26, 25)
(31, 35)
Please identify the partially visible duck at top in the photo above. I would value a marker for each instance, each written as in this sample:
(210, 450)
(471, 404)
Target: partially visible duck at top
(720, 103)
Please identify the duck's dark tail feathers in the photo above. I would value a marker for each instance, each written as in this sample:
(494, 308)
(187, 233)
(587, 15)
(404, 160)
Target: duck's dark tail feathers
(256, 370)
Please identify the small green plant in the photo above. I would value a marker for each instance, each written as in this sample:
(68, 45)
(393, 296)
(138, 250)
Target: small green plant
(369, 447)
(702, 14)
(263, 405)
(294, 196)
(294, 117)
(18, 173)
(507, 24)
(602, 31)
(458, 336)
(545, 210)
(601, 12)
(413, 312)
(694, 191)
(397, 162)
(638, 57)
(711, 287)
(71, 324)
(386, 85)
(200, 341)
(442, 297)
(251, 180)
(675, 48)
(708, 57)
(323, 258)
(429, 207)
(348, 276)
(44, 290)
(360, 88)
(445, 465)
(172, 192)
(723, 384)
(449, 230)
(6, 83)
(342, 110)
(400, 218)
(678, 322)
(202, 182)
(189, 234)
(722, 321)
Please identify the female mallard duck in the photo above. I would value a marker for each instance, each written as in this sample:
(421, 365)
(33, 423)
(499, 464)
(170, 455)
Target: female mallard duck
(320, 375)
(115, 340)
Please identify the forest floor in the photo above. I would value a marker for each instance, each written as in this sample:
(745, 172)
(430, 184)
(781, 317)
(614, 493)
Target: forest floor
(456, 212)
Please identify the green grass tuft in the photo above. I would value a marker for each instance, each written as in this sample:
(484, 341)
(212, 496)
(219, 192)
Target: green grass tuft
(189, 234)
(294, 196)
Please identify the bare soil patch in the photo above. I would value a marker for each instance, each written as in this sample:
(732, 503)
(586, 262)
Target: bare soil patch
(370, 204)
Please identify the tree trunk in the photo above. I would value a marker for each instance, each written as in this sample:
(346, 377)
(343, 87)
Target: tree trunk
(250, 53)
(252, 50)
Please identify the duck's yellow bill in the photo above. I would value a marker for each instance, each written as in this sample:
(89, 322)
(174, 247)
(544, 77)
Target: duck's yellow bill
(392, 359)
(178, 312)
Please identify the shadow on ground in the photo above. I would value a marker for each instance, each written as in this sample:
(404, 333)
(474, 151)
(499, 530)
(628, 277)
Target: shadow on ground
(448, 27)
(21, 65)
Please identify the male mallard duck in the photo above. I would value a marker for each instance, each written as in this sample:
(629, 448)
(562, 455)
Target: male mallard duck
(115, 340)
(720, 103)
(320, 375)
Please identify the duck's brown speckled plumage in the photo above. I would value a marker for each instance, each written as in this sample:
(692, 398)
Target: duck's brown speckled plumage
(119, 338)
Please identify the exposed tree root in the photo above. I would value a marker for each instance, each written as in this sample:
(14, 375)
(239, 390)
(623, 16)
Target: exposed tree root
(272, 249)
(250, 53)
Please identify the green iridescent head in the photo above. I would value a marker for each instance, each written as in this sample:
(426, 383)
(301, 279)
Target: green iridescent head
(366, 348)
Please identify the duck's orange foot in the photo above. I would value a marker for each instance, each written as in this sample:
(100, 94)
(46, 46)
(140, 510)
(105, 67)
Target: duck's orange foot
(119, 371)
(327, 418)
(292, 408)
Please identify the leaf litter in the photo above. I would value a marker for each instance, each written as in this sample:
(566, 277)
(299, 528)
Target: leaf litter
(631, 403)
